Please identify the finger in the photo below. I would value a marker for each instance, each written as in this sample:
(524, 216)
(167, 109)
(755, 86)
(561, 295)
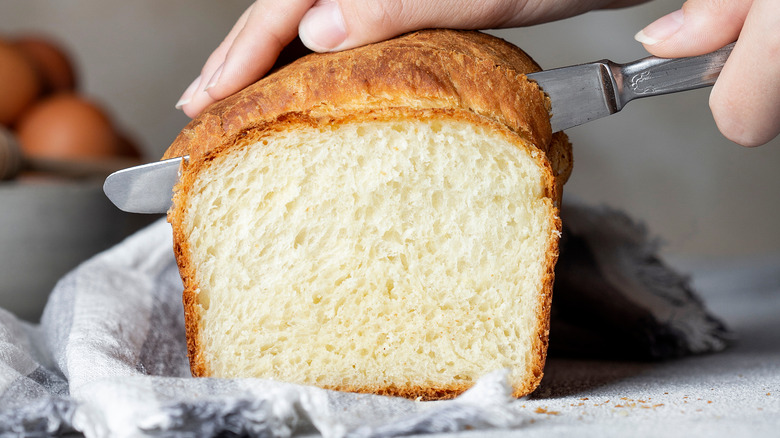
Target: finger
(700, 27)
(213, 62)
(217, 57)
(197, 103)
(187, 97)
(247, 52)
(341, 24)
(256, 47)
(745, 101)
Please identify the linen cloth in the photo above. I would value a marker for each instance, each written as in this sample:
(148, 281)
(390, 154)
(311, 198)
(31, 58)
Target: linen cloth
(109, 355)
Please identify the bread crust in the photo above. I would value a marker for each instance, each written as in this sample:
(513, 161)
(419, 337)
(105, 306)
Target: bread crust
(436, 73)
(426, 69)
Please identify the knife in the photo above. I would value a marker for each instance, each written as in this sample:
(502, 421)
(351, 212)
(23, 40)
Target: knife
(147, 188)
(586, 92)
(578, 94)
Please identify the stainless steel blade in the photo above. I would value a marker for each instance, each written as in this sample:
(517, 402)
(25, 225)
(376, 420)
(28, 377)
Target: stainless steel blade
(147, 188)
(586, 92)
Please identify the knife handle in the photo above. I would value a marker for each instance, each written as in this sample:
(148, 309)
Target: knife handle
(654, 76)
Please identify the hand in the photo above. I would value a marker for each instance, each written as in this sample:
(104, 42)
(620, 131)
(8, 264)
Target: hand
(745, 100)
(267, 26)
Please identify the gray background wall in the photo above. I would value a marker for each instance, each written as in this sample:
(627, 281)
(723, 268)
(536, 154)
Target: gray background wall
(662, 160)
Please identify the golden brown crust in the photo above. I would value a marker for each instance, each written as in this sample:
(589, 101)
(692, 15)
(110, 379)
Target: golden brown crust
(426, 393)
(442, 73)
(181, 251)
(428, 69)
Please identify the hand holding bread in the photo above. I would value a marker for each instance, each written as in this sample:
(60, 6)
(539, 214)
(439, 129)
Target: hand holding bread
(745, 112)
(267, 26)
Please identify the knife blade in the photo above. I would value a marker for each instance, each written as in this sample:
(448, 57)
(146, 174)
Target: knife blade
(147, 188)
(586, 92)
(578, 94)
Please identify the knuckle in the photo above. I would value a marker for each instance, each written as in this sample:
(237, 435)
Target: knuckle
(378, 13)
(737, 129)
(414, 14)
(502, 13)
(727, 9)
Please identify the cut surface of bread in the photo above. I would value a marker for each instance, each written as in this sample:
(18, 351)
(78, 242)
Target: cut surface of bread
(404, 250)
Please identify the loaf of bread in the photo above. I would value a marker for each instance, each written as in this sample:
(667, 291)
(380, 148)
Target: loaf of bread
(380, 220)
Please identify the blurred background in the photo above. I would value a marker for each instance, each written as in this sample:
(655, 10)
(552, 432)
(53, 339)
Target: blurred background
(661, 160)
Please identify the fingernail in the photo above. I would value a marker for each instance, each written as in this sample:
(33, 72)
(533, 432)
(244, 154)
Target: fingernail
(215, 77)
(661, 29)
(322, 29)
(186, 97)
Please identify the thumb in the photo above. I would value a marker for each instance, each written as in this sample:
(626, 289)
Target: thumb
(332, 25)
(700, 27)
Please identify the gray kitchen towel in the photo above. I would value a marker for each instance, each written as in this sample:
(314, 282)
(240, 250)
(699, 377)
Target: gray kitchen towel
(109, 356)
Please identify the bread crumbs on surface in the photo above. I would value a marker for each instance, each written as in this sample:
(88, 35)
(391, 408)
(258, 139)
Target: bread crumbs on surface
(543, 410)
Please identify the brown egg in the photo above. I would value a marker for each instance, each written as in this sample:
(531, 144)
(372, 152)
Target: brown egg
(128, 146)
(52, 62)
(67, 126)
(19, 83)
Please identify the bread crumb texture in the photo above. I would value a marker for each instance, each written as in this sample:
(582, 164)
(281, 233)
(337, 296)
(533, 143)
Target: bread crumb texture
(383, 220)
(371, 255)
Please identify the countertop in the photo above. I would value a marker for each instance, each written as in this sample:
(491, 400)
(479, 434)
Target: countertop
(731, 394)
